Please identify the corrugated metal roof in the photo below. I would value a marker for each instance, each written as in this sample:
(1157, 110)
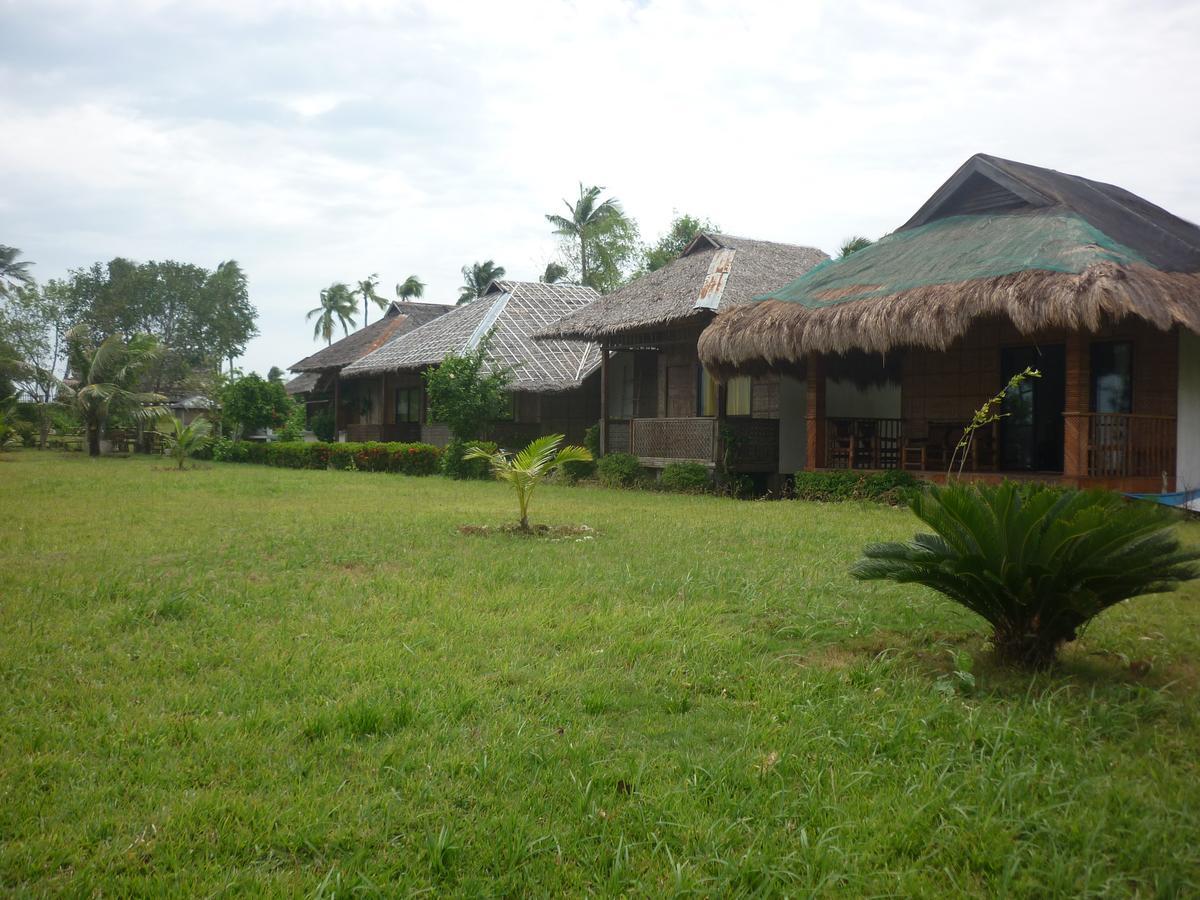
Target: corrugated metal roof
(513, 311)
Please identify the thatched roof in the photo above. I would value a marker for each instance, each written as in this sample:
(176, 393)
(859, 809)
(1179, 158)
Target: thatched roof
(302, 384)
(401, 316)
(512, 311)
(714, 272)
(1035, 246)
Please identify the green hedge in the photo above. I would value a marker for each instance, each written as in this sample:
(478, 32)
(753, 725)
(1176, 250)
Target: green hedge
(620, 470)
(881, 487)
(686, 478)
(373, 456)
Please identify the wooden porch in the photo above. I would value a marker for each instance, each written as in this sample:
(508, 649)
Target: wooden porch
(742, 444)
(1121, 448)
(1058, 425)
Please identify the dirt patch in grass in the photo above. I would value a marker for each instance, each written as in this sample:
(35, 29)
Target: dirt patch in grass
(579, 532)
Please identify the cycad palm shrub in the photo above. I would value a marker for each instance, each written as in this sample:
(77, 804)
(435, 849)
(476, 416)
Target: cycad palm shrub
(1037, 563)
(526, 469)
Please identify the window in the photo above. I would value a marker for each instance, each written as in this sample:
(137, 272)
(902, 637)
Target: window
(1112, 377)
(706, 393)
(408, 404)
(737, 396)
(620, 386)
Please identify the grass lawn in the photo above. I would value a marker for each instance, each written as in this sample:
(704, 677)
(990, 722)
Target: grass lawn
(239, 679)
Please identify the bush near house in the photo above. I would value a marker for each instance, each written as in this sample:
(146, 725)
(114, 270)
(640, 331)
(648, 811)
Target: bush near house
(686, 478)
(620, 470)
(455, 465)
(881, 487)
(578, 470)
(373, 456)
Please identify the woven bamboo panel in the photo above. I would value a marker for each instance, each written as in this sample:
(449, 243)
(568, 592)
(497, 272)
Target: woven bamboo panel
(681, 438)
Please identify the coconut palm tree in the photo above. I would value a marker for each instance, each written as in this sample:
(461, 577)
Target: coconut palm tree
(105, 379)
(337, 303)
(366, 290)
(410, 288)
(526, 470)
(184, 440)
(586, 218)
(476, 278)
(9, 438)
(12, 272)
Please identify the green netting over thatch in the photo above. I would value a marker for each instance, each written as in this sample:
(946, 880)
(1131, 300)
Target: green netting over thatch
(957, 249)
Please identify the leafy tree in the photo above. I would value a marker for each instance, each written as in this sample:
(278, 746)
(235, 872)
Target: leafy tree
(184, 440)
(366, 290)
(555, 272)
(1037, 563)
(467, 392)
(411, 288)
(33, 353)
(228, 313)
(293, 425)
(853, 245)
(599, 240)
(252, 403)
(105, 380)
(337, 306)
(526, 470)
(683, 231)
(476, 278)
(202, 317)
(13, 272)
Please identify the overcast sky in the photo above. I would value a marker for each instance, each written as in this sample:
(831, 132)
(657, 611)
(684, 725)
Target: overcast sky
(323, 141)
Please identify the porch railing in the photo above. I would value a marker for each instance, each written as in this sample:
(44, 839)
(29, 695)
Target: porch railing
(863, 443)
(1128, 445)
(678, 439)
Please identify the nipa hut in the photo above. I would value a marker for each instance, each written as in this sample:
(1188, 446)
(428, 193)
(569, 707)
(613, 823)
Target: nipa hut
(554, 385)
(317, 384)
(1006, 266)
(658, 402)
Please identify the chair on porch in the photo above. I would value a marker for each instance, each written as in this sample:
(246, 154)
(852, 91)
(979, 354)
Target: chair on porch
(841, 444)
(866, 444)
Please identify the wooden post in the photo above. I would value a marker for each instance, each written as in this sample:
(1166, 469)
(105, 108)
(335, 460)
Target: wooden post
(1077, 403)
(337, 404)
(603, 401)
(815, 411)
(718, 450)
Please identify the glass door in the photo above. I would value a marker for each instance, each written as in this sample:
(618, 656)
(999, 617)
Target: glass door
(1031, 430)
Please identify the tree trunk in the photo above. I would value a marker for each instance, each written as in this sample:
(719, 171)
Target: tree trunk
(93, 438)
(583, 273)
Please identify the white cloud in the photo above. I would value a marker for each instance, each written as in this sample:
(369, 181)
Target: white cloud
(327, 140)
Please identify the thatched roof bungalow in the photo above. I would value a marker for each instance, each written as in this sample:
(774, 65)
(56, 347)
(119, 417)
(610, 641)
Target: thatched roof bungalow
(1006, 265)
(316, 383)
(658, 403)
(554, 383)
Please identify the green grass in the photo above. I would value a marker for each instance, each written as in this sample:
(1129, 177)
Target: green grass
(240, 680)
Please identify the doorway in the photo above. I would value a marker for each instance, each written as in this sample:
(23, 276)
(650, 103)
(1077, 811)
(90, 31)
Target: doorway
(1031, 431)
